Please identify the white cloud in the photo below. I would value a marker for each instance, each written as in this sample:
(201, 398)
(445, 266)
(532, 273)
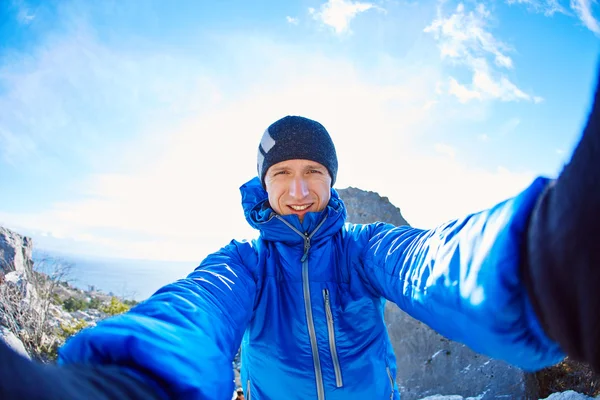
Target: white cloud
(483, 86)
(70, 94)
(178, 196)
(337, 14)
(445, 149)
(463, 36)
(462, 93)
(292, 20)
(25, 17)
(463, 39)
(547, 7)
(430, 104)
(552, 7)
(171, 192)
(583, 9)
(24, 14)
(502, 89)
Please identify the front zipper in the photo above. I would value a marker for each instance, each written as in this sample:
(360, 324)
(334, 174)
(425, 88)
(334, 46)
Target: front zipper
(389, 373)
(308, 307)
(332, 348)
(248, 395)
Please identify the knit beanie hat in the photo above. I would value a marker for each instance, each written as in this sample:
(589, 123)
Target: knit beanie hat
(296, 138)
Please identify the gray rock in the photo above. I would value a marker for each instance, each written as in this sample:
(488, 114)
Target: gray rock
(429, 364)
(58, 317)
(569, 395)
(365, 207)
(19, 281)
(16, 265)
(96, 314)
(450, 397)
(82, 315)
(15, 253)
(442, 397)
(13, 342)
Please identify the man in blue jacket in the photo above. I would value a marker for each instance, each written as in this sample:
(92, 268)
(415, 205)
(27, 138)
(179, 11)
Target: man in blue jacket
(514, 282)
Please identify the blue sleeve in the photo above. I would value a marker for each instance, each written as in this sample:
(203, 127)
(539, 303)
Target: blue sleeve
(73, 382)
(562, 270)
(184, 337)
(463, 280)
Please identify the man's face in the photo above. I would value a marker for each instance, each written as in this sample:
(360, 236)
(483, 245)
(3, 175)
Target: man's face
(297, 187)
(240, 396)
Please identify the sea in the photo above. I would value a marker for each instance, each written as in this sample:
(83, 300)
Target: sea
(125, 278)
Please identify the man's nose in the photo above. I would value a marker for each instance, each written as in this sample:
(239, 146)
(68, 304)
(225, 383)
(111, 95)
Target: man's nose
(299, 188)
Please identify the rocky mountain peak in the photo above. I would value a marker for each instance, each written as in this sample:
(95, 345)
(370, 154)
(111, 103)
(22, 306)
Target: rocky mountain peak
(365, 207)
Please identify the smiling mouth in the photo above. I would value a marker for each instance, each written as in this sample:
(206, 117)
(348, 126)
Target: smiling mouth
(300, 208)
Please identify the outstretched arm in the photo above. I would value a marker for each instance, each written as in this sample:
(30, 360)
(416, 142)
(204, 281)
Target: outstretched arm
(182, 340)
(562, 266)
(518, 282)
(462, 279)
(21, 378)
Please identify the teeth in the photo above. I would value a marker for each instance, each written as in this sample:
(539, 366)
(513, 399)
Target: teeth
(300, 208)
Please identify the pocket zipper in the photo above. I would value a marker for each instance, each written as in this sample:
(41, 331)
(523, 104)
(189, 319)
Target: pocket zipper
(331, 330)
(389, 374)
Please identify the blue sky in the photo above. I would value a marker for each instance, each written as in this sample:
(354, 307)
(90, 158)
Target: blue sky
(126, 128)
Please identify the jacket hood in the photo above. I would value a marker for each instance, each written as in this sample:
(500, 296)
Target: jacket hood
(260, 215)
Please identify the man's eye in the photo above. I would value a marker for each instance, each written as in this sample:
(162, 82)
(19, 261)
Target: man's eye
(315, 171)
(279, 173)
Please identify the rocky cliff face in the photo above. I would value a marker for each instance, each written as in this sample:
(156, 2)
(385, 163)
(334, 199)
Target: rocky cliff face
(366, 207)
(32, 318)
(16, 265)
(428, 363)
(15, 253)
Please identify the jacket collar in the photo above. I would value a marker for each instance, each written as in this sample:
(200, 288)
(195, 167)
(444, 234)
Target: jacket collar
(261, 216)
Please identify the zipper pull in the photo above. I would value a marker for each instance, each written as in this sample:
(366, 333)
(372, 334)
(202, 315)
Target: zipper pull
(306, 247)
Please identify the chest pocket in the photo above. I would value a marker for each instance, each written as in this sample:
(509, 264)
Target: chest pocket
(356, 316)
